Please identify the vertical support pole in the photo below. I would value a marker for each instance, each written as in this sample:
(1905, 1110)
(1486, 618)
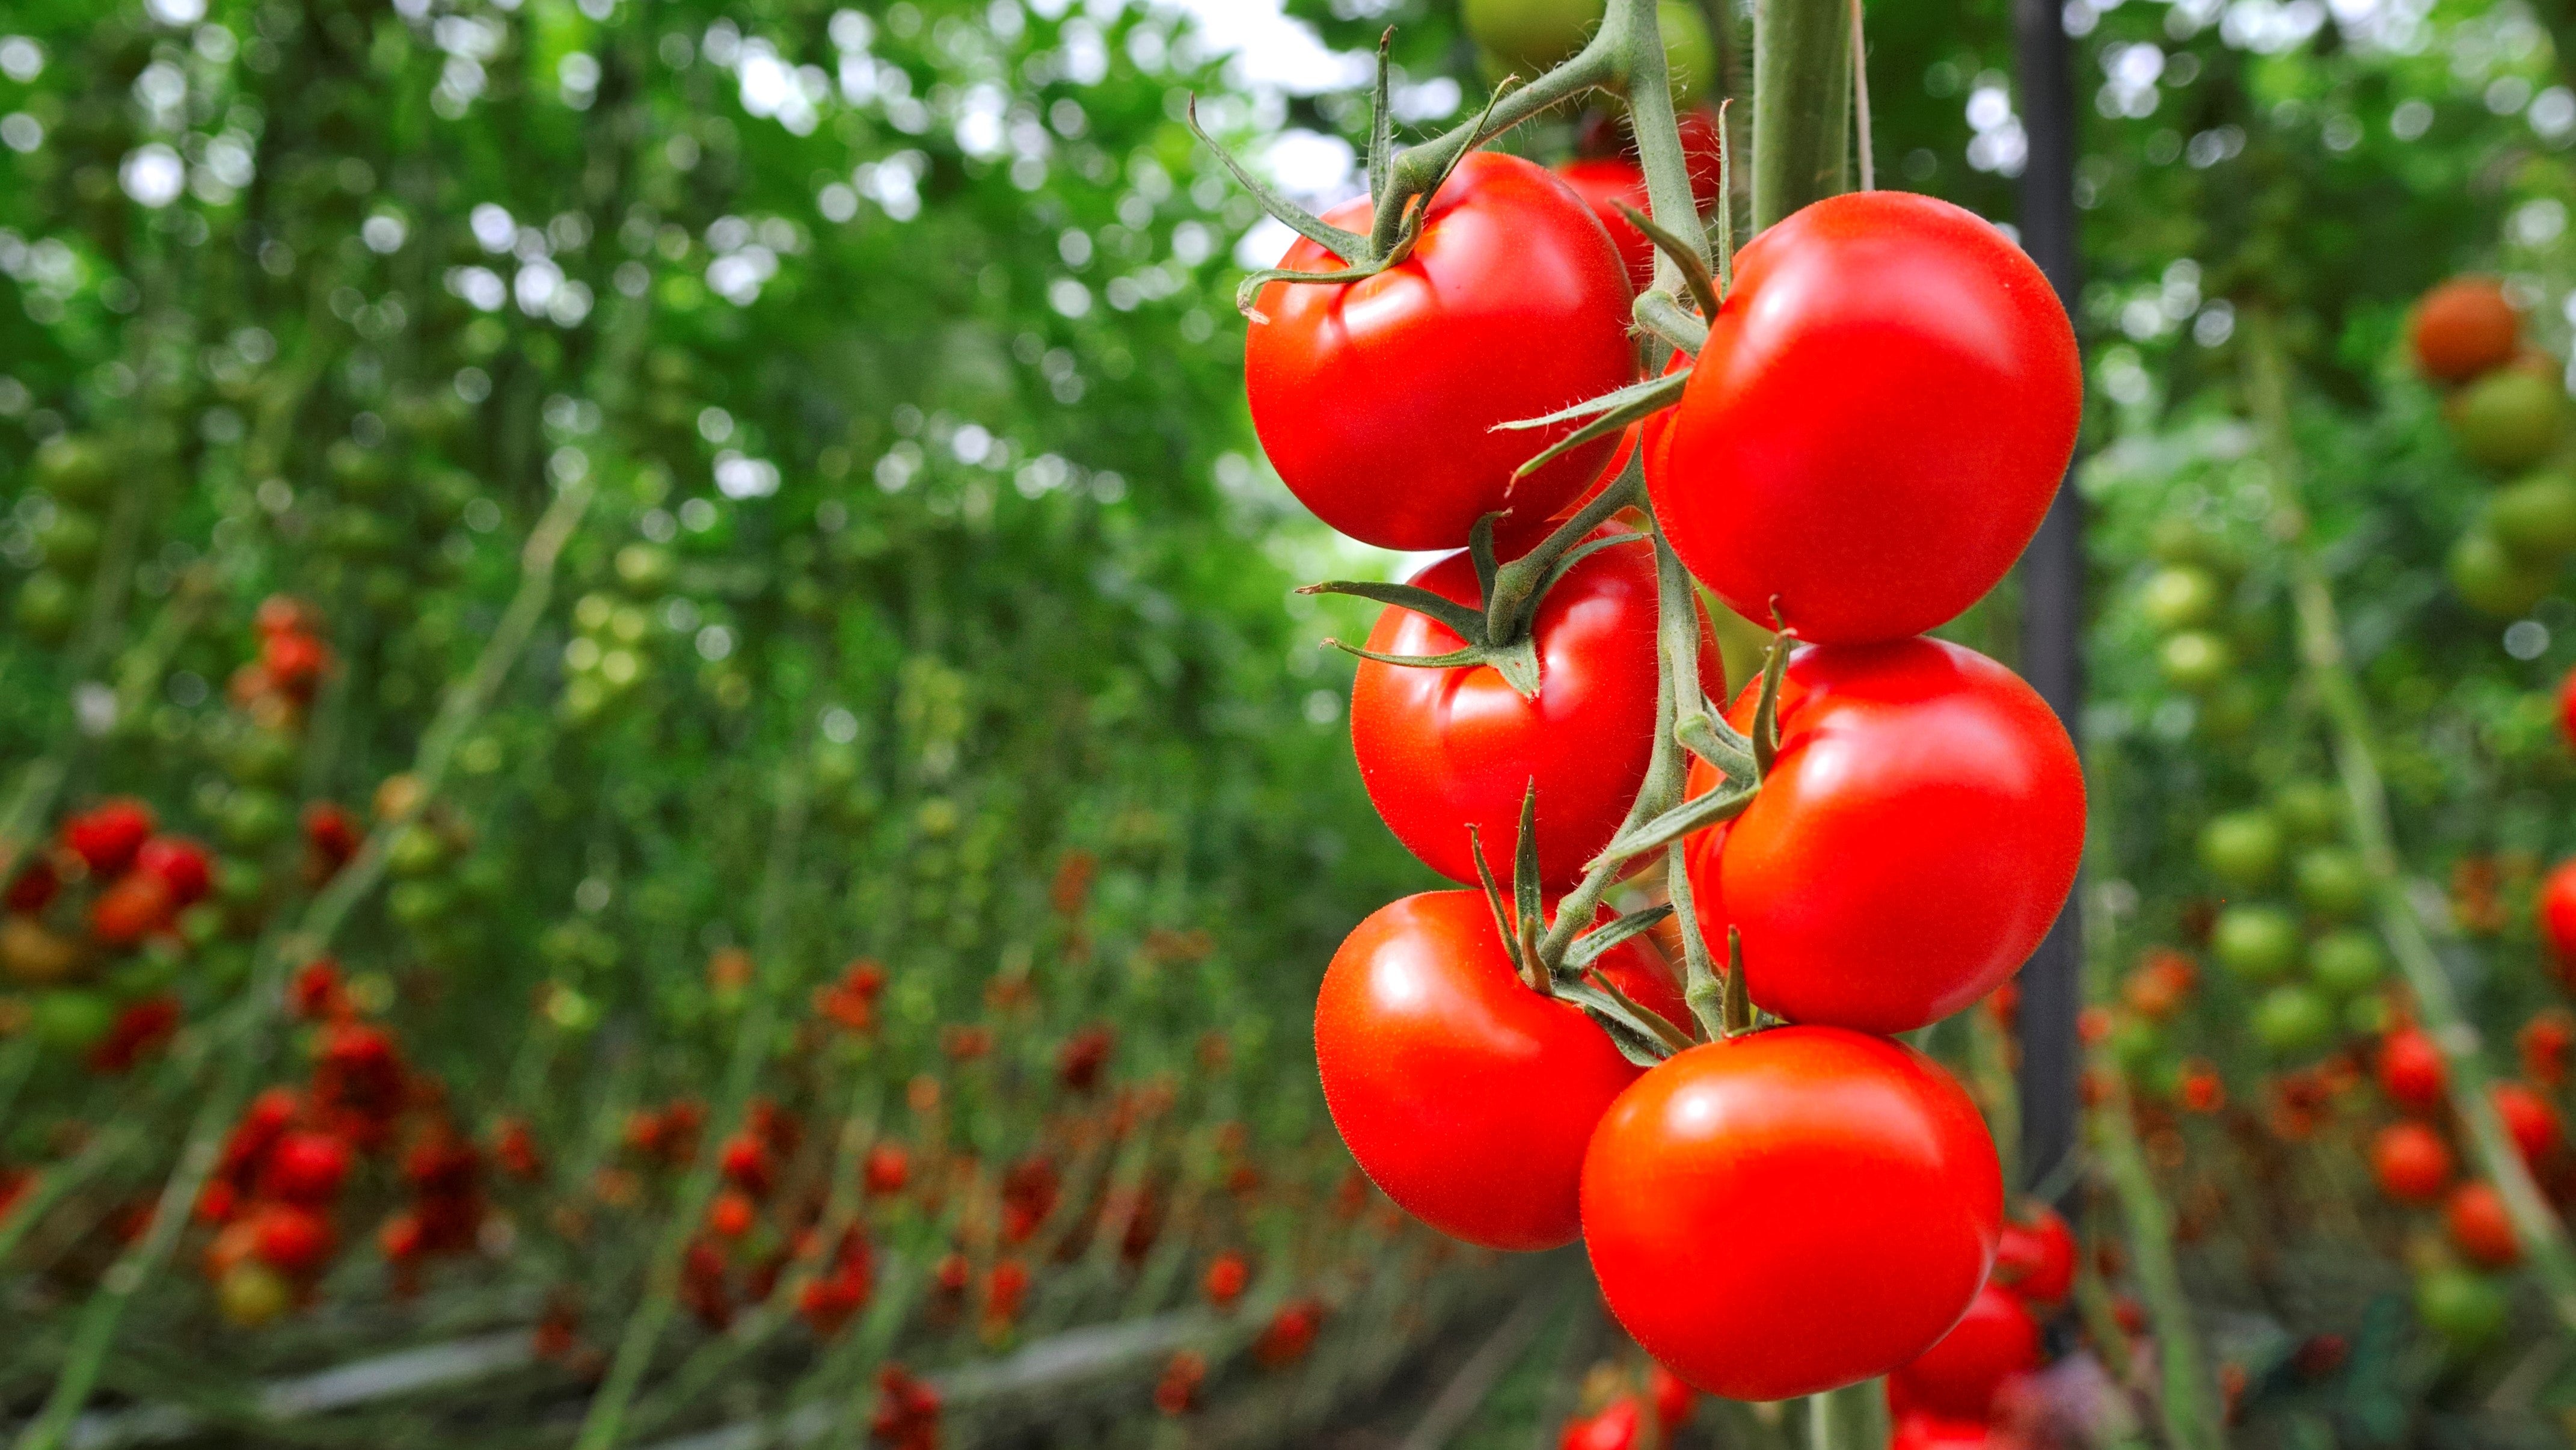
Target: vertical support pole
(2052, 576)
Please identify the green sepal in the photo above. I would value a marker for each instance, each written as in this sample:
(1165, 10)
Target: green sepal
(1589, 947)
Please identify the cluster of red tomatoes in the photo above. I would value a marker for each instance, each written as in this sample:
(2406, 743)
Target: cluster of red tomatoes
(1879, 417)
(274, 1197)
(2506, 408)
(92, 927)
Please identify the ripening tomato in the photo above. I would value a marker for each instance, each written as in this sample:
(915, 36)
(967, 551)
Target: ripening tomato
(305, 1166)
(136, 905)
(2531, 1122)
(2410, 1070)
(1605, 183)
(1463, 1094)
(1445, 749)
(1882, 412)
(1378, 401)
(2558, 905)
(2035, 1256)
(1995, 1340)
(2464, 327)
(2411, 1162)
(2479, 1226)
(107, 835)
(1783, 1212)
(1851, 876)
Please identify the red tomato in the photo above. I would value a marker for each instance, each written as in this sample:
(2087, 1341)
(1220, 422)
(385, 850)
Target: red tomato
(1466, 1096)
(1995, 1340)
(1922, 1430)
(2411, 1070)
(1882, 412)
(1377, 400)
(305, 1167)
(2557, 905)
(1851, 876)
(1444, 749)
(292, 1240)
(2411, 1162)
(1616, 1427)
(108, 834)
(1675, 1401)
(2036, 1259)
(181, 864)
(2532, 1122)
(2464, 327)
(1605, 183)
(135, 906)
(1792, 1210)
(2479, 1226)
(2567, 707)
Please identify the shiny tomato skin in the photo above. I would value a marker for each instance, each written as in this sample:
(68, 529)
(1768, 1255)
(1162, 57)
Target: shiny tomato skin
(2464, 327)
(1917, 835)
(1996, 1339)
(2479, 1226)
(1464, 1095)
(1377, 400)
(1791, 1210)
(2410, 1070)
(1882, 412)
(1441, 749)
(2531, 1122)
(1605, 183)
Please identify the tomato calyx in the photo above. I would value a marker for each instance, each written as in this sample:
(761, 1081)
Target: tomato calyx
(1641, 1035)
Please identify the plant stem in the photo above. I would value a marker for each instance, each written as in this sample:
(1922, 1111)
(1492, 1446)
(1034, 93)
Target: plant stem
(1801, 97)
(2401, 922)
(2188, 1407)
(1851, 1418)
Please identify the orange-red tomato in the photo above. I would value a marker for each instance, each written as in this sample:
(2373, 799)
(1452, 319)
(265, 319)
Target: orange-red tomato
(2411, 1162)
(2035, 1257)
(1995, 1340)
(2532, 1123)
(2479, 1226)
(1463, 1094)
(2410, 1070)
(2464, 327)
(1791, 1210)
(1847, 878)
(1378, 400)
(1881, 414)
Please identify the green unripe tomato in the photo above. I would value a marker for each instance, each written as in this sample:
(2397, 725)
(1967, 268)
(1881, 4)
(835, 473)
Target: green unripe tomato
(415, 851)
(2231, 710)
(1530, 35)
(416, 904)
(2257, 942)
(645, 568)
(253, 819)
(2292, 1019)
(2508, 419)
(2535, 518)
(239, 883)
(2367, 1015)
(2466, 1308)
(69, 1019)
(260, 757)
(2180, 539)
(71, 540)
(2195, 660)
(251, 1294)
(73, 470)
(2137, 1043)
(48, 607)
(2333, 882)
(2242, 848)
(2491, 579)
(2180, 596)
(2311, 810)
(2347, 961)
